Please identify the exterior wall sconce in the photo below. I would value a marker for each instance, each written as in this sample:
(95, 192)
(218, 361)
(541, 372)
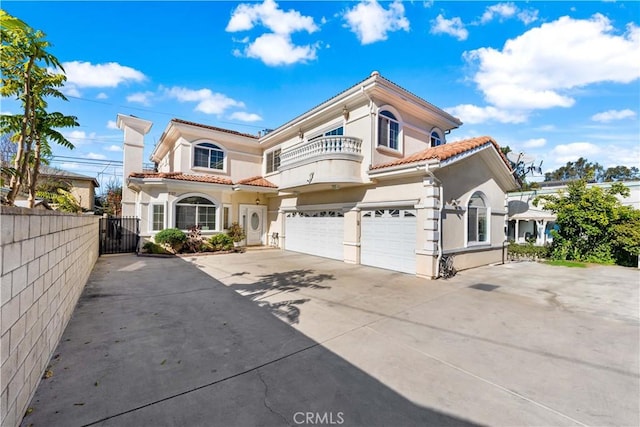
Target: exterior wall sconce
(257, 199)
(300, 134)
(345, 113)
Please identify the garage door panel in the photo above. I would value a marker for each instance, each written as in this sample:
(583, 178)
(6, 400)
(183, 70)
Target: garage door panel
(315, 233)
(388, 239)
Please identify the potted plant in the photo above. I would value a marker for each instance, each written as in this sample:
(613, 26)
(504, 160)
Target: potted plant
(236, 233)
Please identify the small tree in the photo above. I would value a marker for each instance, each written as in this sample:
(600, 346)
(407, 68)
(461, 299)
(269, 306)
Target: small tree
(26, 68)
(593, 225)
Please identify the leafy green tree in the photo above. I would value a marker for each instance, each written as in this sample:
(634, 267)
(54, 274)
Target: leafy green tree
(30, 75)
(621, 173)
(61, 199)
(593, 224)
(580, 169)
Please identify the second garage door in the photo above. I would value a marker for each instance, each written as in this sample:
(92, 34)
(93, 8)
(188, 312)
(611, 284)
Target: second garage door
(318, 233)
(388, 239)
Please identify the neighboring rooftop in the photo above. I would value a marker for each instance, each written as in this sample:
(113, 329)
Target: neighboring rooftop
(59, 173)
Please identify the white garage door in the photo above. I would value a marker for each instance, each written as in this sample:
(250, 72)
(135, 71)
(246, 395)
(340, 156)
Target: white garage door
(316, 233)
(388, 239)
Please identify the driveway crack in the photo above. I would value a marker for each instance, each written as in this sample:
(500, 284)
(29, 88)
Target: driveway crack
(264, 400)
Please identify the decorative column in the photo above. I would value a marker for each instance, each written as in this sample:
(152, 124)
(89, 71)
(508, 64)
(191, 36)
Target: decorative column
(429, 229)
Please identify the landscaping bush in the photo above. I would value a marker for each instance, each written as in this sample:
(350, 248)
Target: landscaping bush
(171, 237)
(221, 242)
(527, 251)
(154, 248)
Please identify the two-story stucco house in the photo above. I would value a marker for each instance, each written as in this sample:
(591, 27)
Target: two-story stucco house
(366, 177)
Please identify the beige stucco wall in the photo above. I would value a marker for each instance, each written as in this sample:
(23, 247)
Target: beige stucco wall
(461, 180)
(47, 257)
(84, 192)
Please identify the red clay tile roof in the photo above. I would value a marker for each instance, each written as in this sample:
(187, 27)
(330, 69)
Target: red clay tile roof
(182, 177)
(257, 181)
(233, 132)
(446, 151)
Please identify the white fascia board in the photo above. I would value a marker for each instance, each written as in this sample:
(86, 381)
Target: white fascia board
(254, 189)
(388, 204)
(404, 170)
(292, 126)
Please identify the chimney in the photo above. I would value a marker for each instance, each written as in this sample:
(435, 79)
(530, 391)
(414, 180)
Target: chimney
(134, 131)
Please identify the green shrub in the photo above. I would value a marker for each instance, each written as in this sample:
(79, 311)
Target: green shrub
(221, 242)
(154, 248)
(527, 251)
(172, 237)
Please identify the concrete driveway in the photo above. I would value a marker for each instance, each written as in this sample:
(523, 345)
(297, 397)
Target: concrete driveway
(515, 344)
(194, 341)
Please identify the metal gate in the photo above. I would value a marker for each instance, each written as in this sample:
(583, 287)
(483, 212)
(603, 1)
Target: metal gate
(119, 235)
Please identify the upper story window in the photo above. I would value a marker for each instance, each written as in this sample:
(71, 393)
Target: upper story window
(388, 130)
(436, 139)
(273, 160)
(477, 222)
(333, 132)
(195, 210)
(208, 155)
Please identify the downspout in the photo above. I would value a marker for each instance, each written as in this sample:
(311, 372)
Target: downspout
(440, 210)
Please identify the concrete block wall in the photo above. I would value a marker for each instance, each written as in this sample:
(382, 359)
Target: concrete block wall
(46, 260)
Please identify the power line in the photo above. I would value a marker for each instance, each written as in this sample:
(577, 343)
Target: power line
(158, 112)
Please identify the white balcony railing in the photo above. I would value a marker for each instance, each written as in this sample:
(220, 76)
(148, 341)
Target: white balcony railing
(321, 147)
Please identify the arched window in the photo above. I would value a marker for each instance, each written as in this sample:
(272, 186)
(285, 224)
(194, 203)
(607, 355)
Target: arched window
(436, 139)
(388, 130)
(195, 210)
(477, 225)
(208, 155)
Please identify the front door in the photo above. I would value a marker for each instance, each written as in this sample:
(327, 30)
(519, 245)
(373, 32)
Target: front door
(254, 225)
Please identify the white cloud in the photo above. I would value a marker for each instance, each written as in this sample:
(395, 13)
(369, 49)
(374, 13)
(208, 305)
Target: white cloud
(247, 16)
(96, 156)
(528, 16)
(102, 95)
(454, 27)
(208, 102)
(111, 124)
(79, 137)
(535, 143)
(275, 47)
(113, 148)
(571, 152)
(472, 114)
(610, 115)
(278, 49)
(245, 117)
(537, 69)
(143, 98)
(500, 10)
(371, 22)
(111, 74)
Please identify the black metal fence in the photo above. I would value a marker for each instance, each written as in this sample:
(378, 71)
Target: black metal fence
(119, 235)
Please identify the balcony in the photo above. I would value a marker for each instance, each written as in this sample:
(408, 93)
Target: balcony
(327, 161)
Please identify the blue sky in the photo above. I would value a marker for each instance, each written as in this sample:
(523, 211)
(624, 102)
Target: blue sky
(556, 80)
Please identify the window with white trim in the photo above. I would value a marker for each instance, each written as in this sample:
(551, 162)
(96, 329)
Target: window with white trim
(273, 160)
(339, 131)
(436, 139)
(477, 221)
(226, 217)
(157, 217)
(195, 210)
(208, 155)
(388, 130)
